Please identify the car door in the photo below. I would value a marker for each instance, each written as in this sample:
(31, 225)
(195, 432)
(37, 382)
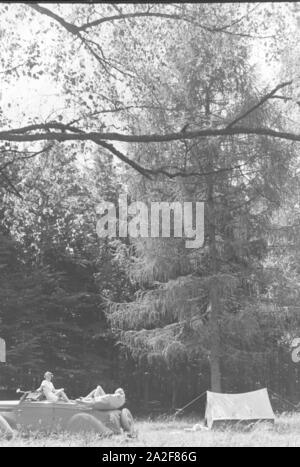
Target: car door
(35, 415)
(63, 412)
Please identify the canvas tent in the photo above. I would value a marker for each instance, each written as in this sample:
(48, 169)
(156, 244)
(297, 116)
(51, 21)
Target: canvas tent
(246, 407)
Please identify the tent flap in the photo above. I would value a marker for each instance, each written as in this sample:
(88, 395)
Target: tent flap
(248, 406)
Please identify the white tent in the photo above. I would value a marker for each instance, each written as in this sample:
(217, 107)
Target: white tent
(249, 406)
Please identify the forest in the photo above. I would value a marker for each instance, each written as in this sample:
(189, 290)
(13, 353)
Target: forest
(176, 102)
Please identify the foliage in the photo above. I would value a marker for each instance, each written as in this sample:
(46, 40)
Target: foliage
(187, 96)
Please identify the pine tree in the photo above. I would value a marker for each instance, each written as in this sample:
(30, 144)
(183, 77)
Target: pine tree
(190, 301)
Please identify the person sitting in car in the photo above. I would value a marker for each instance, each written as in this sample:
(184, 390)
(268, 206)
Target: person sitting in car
(103, 400)
(49, 391)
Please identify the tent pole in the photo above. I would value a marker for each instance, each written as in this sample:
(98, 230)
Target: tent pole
(190, 403)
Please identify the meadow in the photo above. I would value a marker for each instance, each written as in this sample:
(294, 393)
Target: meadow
(167, 432)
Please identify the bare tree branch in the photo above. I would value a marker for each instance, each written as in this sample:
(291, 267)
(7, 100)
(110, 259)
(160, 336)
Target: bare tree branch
(182, 17)
(94, 48)
(144, 14)
(72, 28)
(70, 133)
(15, 160)
(261, 102)
(55, 131)
(123, 109)
(143, 171)
(45, 134)
(284, 98)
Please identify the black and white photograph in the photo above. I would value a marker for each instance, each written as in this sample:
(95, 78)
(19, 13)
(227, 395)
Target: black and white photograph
(149, 227)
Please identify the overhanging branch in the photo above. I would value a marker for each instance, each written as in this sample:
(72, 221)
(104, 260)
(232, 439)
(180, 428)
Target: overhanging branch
(60, 132)
(23, 135)
(74, 29)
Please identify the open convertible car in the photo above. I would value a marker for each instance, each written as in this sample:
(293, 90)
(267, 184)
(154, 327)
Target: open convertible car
(31, 414)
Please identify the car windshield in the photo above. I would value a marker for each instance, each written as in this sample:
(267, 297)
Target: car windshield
(32, 396)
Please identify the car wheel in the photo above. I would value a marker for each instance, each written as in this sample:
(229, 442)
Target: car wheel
(127, 421)
(86, 423)
(5, 428)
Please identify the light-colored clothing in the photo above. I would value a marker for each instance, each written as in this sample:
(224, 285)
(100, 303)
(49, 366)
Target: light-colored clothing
(98, 398)
(49, 391)
(112, 401)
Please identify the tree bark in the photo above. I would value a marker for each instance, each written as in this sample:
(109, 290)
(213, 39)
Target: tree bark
(215, 346)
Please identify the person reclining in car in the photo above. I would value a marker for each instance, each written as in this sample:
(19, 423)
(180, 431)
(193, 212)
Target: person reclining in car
(106, 401)
(48, 390)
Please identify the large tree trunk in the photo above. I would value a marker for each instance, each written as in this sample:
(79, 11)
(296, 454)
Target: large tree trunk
(215, 367)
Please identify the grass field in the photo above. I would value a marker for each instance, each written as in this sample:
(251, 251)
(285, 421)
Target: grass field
(173, 433)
